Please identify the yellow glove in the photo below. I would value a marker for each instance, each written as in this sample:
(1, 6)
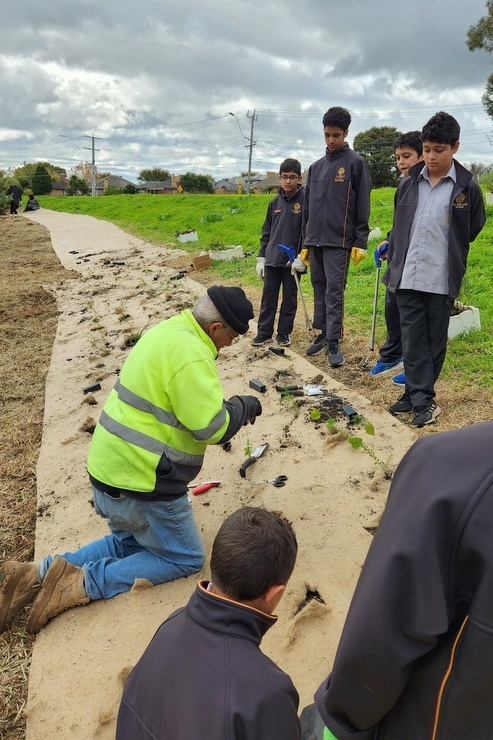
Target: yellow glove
(357, 255)
(305, 256)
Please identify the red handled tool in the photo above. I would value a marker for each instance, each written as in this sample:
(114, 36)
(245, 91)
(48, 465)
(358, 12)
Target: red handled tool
(198, 488)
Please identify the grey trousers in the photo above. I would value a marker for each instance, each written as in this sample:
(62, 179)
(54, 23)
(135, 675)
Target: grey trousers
(329, 268)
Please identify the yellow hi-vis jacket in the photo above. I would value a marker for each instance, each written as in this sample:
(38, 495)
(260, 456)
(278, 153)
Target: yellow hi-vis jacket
(163, 411)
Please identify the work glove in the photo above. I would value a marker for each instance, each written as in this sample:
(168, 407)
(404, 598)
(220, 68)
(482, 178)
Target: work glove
(254, 409)
(357, 254)
(380, 253)
(305, 256)
(260, 267)
(297, 265)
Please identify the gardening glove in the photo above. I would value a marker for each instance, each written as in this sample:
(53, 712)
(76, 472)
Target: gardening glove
(254, 409)
(380, 253)
(305, 256)
(297, 265)
(357, 255)
(260, 267)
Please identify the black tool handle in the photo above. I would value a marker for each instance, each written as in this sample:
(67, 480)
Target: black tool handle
(249, 461)
(293, 390)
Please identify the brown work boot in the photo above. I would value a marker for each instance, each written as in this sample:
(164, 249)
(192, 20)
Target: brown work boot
(63, 587)
(19, 584)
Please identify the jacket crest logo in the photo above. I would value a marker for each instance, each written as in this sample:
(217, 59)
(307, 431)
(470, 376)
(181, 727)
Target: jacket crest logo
(460, 201)
(340, 175)
(296, 208)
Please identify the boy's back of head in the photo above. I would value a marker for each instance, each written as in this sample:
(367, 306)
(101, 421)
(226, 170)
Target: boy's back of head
(290, 165)
(442, 128)
(337, 116)
(412, 140)
(253, 550)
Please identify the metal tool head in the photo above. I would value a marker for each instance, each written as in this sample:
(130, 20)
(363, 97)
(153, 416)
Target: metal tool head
(314, 390)
(260, 449)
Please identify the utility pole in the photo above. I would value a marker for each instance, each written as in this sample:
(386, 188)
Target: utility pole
(250, 146)
(93, 163)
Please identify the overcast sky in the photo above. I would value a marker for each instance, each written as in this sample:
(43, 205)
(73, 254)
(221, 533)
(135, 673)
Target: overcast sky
(155, 80)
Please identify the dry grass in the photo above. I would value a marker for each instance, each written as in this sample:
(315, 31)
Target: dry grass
(28, 319)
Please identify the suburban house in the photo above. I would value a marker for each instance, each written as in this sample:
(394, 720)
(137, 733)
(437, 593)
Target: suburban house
(112, 181)
(59, 188)
(171, 186)
(271, 182)
(231, 185)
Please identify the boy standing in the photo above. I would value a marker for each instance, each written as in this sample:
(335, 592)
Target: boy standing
(282, 225)
(203, 675)
(408, 151)
(335, 227)
(439, 210)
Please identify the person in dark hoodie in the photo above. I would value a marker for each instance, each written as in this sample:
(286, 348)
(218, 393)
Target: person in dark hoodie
(414, 659)
(439, 210)
(335, 229)
(282, 225)
(203, 674)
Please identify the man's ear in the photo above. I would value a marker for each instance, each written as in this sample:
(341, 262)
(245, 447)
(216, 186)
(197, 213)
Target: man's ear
(272, 597)
(455, 147)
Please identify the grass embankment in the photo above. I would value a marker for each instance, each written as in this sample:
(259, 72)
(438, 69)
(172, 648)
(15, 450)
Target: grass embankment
(225, 220)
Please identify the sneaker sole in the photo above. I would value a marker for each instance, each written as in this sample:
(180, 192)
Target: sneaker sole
(261, 344)
(398, 413)
(399, 385)
(436, 413)
(317, 350)
(392, 369)
(337, 364)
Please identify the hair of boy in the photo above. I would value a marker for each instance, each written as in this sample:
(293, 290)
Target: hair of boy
(290, 165)
(337, 116)
(412, 140)
(442, 128)
(253, 550)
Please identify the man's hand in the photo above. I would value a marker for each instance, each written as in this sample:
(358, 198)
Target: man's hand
(260, 267)
(380, 252)
(297, 265)
(254, 409)
(357, 254)
(305, 256)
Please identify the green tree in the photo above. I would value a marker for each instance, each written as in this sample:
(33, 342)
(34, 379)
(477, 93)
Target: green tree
(192, 183)
(480, 36)
(27, 170)
(153, 174)
(77, 186)
(41, 181)
(376, 146)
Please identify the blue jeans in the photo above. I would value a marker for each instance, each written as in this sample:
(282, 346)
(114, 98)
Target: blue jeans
(157, 540)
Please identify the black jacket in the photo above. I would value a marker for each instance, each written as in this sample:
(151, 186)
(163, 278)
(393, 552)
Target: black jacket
(282, 225)
(414, 660)
(204, 676)
(467, 218)
(337, 201)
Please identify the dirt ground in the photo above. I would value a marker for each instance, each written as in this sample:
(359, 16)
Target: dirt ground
(102, 288)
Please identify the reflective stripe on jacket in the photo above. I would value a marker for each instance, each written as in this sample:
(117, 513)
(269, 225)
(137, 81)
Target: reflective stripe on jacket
(163, 411)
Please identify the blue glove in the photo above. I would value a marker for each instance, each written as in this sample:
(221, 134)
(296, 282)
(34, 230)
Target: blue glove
(380, 251)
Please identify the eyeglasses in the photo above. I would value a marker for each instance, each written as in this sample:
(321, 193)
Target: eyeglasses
(290, 178)
(234, 338)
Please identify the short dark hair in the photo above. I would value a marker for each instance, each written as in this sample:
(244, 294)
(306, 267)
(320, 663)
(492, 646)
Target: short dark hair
(290, 165)
(411, 139)
(254, 550)
(337, 116)
(442, 128)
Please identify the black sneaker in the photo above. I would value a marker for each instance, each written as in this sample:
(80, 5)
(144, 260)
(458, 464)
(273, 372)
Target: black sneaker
(260, 340)
(319, 343)
(283, 340)
(426, 414)
(403, 405)
(336, 358)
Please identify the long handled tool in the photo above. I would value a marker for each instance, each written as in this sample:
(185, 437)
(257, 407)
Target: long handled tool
(291, 253)
(375, 303)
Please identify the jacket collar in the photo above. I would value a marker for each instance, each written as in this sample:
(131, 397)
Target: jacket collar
(339, 153)
(462, 174)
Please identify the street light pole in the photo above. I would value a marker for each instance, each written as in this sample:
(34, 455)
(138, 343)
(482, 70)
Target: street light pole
(250, 145)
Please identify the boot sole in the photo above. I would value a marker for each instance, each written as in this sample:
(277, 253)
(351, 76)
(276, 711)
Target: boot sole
(7, 596)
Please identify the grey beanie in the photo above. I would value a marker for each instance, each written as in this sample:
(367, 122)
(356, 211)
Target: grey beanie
(233, 305)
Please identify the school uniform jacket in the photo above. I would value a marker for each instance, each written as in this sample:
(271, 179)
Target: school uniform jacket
(203, 676)
(282, 225)
(414, 660)
(337, 201)
(467, 218)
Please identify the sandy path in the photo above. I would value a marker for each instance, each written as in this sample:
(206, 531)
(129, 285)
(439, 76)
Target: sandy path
(81, 657)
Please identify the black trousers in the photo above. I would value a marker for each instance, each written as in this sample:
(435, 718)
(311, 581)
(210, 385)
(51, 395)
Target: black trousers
(274, 277)
(424, 324)
(329, 268)
(392, 348)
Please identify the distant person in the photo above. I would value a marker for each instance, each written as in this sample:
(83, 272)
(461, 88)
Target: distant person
(414, 659)
(408, 151)
(335, 228)
(282, 225)
(203, 674)
(14, 193)
(32, 203)
(166, 407)
(439, 210)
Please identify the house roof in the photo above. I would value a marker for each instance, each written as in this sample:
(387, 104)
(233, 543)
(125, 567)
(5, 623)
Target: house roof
(156, 185)
(113, 181)
(60, 185)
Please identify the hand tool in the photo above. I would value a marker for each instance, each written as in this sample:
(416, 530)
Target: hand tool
(375, 301)
(198, 488)
(253, 458)
(278, 481)
(308, 389)
(290, 251)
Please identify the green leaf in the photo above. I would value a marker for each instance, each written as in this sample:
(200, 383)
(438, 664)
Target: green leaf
(355, 442)
(369, 428)
(315, 414)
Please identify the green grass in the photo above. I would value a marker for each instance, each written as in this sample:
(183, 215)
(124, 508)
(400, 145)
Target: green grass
(230, 220)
